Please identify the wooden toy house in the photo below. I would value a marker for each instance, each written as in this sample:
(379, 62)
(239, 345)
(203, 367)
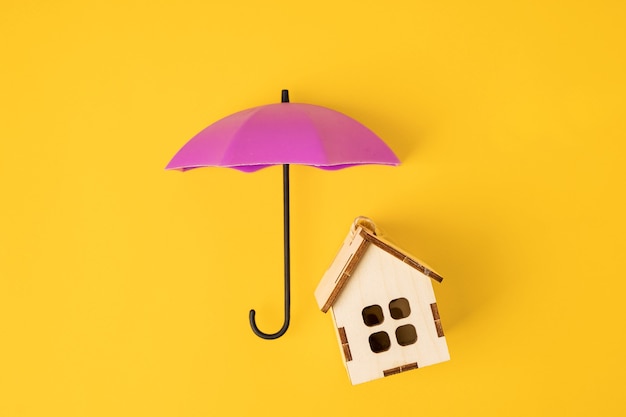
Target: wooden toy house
(383, 307)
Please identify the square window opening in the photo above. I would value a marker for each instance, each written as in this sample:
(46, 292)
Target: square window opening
(399, 308)
(372, 315)
(379, 342)
(406, 335)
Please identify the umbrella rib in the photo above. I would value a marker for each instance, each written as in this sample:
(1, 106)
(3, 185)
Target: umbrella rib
(228, 150)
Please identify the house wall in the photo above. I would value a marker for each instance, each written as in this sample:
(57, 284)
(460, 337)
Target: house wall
(378, 279)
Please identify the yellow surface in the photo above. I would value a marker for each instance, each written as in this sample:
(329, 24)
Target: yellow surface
(125, 289)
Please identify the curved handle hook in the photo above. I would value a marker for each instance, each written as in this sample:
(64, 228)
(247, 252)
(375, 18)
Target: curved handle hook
(270, 336)
(255, 329)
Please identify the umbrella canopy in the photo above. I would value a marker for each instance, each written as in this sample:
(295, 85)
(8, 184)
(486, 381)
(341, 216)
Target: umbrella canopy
(283, 134)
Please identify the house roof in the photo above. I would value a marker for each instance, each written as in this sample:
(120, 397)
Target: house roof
(349, 256)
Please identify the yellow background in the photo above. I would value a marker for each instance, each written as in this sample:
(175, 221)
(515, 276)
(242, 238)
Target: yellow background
(125, 289)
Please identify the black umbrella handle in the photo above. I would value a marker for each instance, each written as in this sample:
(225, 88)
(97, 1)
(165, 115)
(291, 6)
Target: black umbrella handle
(283, 329)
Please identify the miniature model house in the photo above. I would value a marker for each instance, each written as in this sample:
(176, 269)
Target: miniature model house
(383, 307)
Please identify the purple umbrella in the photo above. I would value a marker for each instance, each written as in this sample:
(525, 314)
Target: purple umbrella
(283, 134)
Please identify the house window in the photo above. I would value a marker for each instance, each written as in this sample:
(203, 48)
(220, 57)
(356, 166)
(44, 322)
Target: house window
(372, 315)
(406, 335)
(399, 309)
(379, 342)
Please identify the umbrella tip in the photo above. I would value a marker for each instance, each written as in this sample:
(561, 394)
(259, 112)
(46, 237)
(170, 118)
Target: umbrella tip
(285, 96)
